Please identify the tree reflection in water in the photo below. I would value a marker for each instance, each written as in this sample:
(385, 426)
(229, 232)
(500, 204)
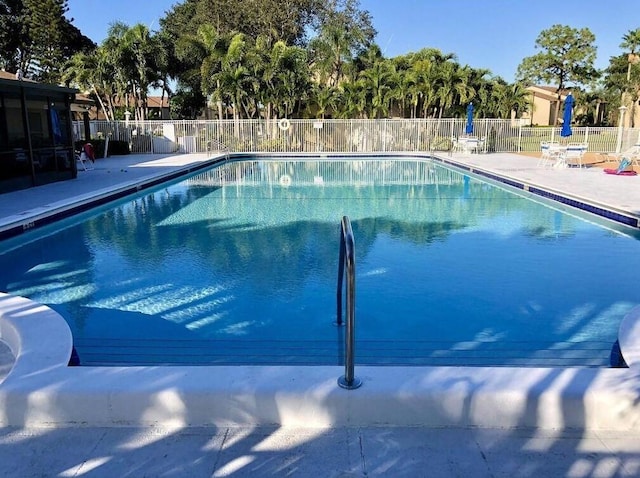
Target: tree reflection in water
(239, 264)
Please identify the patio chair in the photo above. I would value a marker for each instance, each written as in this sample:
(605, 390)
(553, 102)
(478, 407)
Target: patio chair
(632, 153)
(549, 153)
(456, 144)
(574, 154)
(85, 156)
(470, 144)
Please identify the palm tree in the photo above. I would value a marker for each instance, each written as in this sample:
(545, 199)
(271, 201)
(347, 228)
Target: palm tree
(115, 57)
(590, 104)
(101, 73)
(484, 104)
(291, 80)
(206, 49)
(464, 89)
(378, 81)
(343, 33)
(404, 81)
(87, 72)
(426, 73)
(352, 99)
(274, 57)
(140, 49)
(449, 81)
(330, 50)
(233, 77)
(511, 98)
(631, 42)
(322, 98)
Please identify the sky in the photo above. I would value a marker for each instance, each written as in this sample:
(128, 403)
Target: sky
(491, 34)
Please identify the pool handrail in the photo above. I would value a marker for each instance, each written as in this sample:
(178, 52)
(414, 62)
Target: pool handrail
(347, 256)
(220, 147)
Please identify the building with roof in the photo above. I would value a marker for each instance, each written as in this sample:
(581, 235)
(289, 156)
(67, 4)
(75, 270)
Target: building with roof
(157, 108)
(544, 100)
(36, 138)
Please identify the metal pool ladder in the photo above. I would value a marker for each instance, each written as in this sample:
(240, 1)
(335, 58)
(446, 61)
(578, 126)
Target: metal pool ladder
(214, 143)
(347, 257)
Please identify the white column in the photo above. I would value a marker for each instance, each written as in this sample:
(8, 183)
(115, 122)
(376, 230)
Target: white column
(622, 110)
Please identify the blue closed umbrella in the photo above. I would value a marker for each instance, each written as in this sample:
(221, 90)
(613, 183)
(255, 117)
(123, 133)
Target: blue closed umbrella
(469, 128)
(566, 116)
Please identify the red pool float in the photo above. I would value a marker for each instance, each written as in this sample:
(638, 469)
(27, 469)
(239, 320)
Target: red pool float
(620, 173)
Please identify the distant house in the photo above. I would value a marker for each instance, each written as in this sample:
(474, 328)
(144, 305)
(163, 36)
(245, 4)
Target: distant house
(157, 107)
(544, 101)
(81, 105)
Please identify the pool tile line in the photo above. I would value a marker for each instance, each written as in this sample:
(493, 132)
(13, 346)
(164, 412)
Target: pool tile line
(83, 205)
(600, 211)
(26, 221)
(43, 218)
(597, 210)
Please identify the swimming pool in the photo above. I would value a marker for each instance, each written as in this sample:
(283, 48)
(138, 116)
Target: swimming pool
(238, 265)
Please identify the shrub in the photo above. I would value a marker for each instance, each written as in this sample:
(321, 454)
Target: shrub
(116, 147)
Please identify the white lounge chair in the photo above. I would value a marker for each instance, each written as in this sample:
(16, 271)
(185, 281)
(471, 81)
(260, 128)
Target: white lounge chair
(81, 157)
(467, 144)
(632, 153)
(574, 154)
(550, 152)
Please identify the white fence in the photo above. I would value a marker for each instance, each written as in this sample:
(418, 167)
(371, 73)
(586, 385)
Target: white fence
(344, 136)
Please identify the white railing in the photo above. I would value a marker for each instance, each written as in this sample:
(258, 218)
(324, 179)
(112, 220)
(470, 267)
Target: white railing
(343, 136)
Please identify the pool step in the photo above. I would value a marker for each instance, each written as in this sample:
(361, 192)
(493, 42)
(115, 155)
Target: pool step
(368, 352)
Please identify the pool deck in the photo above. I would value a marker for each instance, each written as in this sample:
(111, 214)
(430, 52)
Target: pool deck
(319, 432)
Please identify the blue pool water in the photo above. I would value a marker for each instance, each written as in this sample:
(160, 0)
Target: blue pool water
(239, 265)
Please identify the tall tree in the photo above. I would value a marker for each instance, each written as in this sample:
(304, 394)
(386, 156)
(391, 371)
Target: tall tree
(36, 38)
(567, 58)
(94, 73)
(121, 70)
(203, 54)
(378, 81)
(345, 32)
(44, 24)
(287, 21)
(631, 43)
(291, 82)
(143, 54)
(427, 75)
(14, 37)
(352, 99)
(344, 28)
(322, 99)
(451, 86)
(234, 78)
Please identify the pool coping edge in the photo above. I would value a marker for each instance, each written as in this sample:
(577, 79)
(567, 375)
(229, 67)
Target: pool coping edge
(42, 390)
